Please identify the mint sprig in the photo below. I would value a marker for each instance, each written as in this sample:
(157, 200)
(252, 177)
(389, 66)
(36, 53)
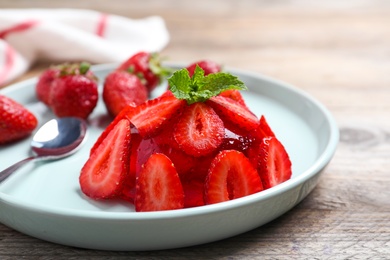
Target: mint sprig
(199, 87)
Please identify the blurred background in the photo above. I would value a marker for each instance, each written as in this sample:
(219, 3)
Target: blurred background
(301, 41)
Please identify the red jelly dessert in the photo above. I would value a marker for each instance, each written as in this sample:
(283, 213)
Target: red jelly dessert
(196, 144)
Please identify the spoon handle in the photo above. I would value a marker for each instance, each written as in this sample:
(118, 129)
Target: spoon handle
(7, 172)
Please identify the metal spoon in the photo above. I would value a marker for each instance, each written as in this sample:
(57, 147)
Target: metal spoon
(56, 139)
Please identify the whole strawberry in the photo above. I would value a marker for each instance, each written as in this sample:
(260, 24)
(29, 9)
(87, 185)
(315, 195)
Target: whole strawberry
(147, 67)
(208, 66)
(122, 88)
(71, 90)
(16, 122)
(44, 83)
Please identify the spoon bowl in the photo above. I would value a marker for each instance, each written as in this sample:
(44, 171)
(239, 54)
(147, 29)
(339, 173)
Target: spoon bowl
(56, 139)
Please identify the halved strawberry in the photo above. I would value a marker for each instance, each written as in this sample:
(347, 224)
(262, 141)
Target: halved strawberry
(103, 175)
(274, 165)
(150, 116)
(122, 115)
(158, 186)
(263, 130)
(234, 115)
(199, 130)
(231, 176)
(235, 95)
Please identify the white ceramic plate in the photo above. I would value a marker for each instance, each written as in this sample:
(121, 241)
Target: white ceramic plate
(44, 199)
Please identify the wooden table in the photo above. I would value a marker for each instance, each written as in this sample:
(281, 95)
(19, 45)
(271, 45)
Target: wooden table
(337, 52)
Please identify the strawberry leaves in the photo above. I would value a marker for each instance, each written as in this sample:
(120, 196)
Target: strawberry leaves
(199, 87)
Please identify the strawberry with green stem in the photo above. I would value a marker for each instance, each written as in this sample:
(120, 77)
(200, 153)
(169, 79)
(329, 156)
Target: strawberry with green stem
(132, 82)
(69, 90)
(147, 67)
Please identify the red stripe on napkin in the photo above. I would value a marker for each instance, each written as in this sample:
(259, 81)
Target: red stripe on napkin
(18, 27)
(102, 24)
(8, 63)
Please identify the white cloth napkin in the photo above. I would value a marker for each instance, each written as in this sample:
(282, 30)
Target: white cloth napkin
(66, 35)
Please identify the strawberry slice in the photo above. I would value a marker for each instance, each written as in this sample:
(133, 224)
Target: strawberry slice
(158, 185)
(199, 131)
(234, 115)
(122, 115)
(263, 130)
(161, 110)
(103, 175)
(235, 95)
(231, 176)
(274, 165)
(150, 116)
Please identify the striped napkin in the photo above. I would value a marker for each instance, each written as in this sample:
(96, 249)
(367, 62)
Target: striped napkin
(71, 35)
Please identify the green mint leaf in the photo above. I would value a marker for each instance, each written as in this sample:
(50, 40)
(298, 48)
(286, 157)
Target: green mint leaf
(200, 88)
(179, 84)
(197, 79)
(219, 82)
